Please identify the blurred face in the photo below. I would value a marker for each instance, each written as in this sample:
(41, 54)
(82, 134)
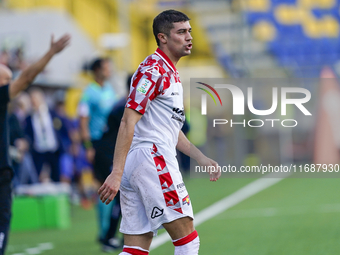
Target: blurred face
(37, 99)
(179, 41)
(5, 75)
(104, 72)
(24, 102)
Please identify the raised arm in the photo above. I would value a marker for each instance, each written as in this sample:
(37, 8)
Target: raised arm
(111, 185)
(185, 146)
(29, 74)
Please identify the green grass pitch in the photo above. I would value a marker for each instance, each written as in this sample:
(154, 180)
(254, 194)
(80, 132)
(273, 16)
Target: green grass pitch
(295, 216)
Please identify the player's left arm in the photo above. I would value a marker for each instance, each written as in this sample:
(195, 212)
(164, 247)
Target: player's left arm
(185, 146)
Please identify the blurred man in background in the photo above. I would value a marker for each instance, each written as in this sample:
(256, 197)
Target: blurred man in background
(94, 108)
(26, 171)
(44, 137)
(18, 145)
(145, 169)
(8, 90)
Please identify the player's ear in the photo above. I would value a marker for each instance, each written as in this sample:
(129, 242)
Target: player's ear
(162, 38)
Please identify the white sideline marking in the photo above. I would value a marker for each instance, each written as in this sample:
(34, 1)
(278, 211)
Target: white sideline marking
(33, 250)
(286, 211)
(224, 204)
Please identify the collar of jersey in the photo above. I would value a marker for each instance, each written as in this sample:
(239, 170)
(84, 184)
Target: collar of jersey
(165, 58)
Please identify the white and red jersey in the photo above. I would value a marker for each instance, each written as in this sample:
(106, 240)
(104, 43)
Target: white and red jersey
(157, 93)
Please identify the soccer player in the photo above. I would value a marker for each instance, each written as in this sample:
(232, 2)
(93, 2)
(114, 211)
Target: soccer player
(145, 168)
(9, 90)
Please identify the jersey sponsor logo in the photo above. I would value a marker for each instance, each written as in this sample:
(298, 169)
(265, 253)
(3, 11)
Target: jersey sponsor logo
(181, 188)
(179, 111)
(186, 200)
(156, 212)
(177, 118)
(181, 185)
(175, 94)
(144, 86)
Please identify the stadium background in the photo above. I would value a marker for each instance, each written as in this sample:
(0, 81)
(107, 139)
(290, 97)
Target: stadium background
(281, 39)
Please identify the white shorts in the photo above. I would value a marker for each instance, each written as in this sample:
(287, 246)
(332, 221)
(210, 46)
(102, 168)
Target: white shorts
(152, 192)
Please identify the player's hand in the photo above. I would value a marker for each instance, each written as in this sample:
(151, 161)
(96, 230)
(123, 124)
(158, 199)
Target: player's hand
(109, 189)
(59, 45)
(206, 162)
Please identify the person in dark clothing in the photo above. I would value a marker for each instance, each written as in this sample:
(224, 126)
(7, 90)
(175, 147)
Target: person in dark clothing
(44, 129)
(9, 90)
(107, 143)
(17, 146)
(103, 162)
(184, 160)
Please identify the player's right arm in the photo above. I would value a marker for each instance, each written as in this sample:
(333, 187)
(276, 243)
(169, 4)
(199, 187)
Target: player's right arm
(147, 84)
(109, 189)
(29, 74)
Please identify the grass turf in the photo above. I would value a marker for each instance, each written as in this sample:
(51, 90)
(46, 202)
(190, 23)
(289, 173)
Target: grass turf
(295, 216)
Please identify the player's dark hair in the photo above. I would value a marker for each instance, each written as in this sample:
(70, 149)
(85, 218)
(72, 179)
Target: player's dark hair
(163, 23)
(97, 64)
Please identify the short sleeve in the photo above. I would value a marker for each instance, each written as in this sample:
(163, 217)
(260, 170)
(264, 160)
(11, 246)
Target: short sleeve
(146, 86)
(4, 95)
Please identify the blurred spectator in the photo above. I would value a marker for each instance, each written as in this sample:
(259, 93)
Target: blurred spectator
(18, 145)
(43, 136)
(4, 57)
(16, 61)
(95, 105)
(22, 108)
(26, 171)
(73, 163)
(62, 123)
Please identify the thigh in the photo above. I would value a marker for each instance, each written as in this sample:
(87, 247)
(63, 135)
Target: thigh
(134, 219)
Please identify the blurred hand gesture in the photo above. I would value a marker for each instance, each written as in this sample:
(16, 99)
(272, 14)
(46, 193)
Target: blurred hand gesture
(57, 46)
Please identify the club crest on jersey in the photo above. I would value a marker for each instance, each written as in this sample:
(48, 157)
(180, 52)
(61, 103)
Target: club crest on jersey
(143, 86)
(186, 200)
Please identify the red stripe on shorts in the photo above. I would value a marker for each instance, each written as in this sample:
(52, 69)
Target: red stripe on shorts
(170, 196)
(159, 161)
